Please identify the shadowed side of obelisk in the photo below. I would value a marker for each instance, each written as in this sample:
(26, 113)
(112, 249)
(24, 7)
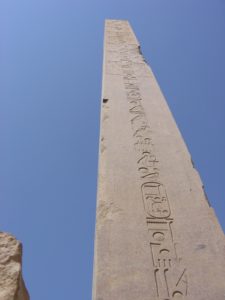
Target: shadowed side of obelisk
(156, 236)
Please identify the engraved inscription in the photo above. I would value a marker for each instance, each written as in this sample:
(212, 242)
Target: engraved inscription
(170, 275)
(155, 200)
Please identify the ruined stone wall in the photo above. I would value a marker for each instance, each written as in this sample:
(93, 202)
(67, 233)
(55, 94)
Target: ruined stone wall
(12, 286)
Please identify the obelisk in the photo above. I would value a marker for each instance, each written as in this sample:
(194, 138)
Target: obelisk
(157, 238)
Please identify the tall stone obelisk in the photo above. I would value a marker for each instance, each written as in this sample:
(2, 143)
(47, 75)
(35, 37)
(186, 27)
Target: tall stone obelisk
(157, 238)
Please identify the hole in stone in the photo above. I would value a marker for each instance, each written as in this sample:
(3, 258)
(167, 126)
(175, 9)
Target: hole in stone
(105, 100)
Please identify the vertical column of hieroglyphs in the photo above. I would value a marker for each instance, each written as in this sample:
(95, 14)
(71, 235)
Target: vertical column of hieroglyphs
(170, 274)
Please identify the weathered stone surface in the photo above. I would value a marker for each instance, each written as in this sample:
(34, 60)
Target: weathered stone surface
(157, 238)
(11, 282)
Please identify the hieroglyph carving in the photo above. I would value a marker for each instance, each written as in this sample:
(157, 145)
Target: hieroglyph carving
(169, 273)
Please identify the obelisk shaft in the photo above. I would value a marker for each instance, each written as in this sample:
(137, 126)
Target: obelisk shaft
(156, 236)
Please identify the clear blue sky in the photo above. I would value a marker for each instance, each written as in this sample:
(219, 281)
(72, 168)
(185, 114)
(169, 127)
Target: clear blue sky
(50, 87)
